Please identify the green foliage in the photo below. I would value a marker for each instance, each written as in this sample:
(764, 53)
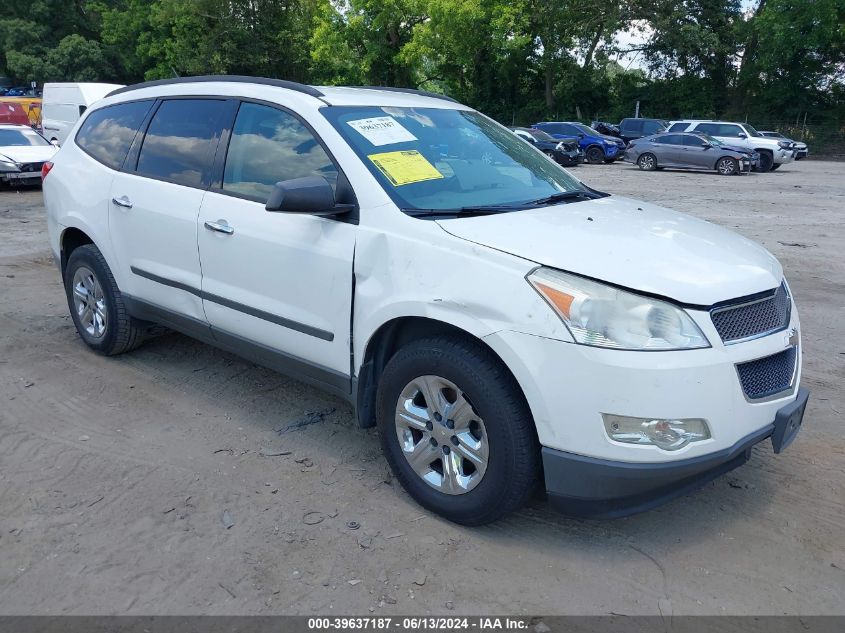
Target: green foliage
(517, 60)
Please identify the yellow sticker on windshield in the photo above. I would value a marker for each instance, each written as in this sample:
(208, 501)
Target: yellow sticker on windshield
(404, 168)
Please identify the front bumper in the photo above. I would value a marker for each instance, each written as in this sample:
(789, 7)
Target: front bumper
(599, 488)
(568, 387)
(784, 156)
(568, 158)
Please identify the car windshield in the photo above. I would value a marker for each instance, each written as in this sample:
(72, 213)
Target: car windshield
(434, 159)
(586, 129)
(712, 140)
(540, 135)
(21, 138)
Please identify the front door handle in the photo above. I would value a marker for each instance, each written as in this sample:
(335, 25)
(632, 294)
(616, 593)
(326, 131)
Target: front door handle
(221, 226)
(122, 201)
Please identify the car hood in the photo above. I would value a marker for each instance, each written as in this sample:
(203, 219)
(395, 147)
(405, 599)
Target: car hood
(738, 150)
(633, 244)
(612, 139)
(28, 153)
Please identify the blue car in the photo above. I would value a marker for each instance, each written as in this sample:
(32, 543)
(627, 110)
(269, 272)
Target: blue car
(597, 147)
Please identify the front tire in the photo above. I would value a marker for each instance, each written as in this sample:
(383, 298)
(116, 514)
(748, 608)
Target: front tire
(595, 155)
(775, 166)
(647, 162)
(96, 304)
(727, 166)
(766, 162)
(456, 430)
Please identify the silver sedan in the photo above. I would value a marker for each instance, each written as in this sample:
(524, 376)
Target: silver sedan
(687, 151)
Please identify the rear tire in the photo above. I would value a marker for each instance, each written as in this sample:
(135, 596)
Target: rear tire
(647, 162)
(595, 155)
(96, 304)
(467, 381)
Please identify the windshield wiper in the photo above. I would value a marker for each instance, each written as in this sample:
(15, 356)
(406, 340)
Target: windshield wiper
(562, 196)
(481, 209)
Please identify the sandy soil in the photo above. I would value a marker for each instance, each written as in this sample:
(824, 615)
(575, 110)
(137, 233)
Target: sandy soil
(119, 477)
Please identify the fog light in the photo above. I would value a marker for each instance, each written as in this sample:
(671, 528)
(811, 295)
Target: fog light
(670, 435)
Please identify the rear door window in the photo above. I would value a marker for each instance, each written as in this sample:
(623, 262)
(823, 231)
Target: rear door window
(270, 145)
(670, 139)
(633, 125)
(708, 128)
(180, 141)
(108, 133)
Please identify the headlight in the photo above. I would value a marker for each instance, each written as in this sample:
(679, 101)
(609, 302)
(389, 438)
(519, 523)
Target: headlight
(603, 316)
(784, 144)
(670, 435)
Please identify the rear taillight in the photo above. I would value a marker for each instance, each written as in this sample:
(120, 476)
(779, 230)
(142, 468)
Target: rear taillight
(45, 169)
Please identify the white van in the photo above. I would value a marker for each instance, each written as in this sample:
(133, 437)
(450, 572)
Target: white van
(64, 103)
(498, 320)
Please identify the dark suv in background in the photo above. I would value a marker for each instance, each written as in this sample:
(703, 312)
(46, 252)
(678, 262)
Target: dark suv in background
(631, 129)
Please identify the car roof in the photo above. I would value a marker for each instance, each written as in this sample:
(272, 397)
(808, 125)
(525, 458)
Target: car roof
(14, 126)
(330, 95)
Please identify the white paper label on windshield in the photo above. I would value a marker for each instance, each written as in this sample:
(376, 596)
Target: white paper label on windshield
(382, 130)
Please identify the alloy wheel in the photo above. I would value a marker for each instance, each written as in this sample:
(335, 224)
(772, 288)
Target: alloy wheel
(89, 302)
(726, 166)
(442, 438)
(647, 162)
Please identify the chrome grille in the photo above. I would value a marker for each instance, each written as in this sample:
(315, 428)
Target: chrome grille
(753, 318)
(768, 375)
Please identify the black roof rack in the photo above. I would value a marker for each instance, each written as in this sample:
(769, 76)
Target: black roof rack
(279, 83)
(422, 93)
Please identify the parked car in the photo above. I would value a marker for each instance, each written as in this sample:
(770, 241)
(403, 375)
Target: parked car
(23, 152)
(687, 151)
(563, 151)
(773, 152)
(799, 147)
(632, 129)
(496, 319)
(64, 103)
(608, 129)
(597, 147)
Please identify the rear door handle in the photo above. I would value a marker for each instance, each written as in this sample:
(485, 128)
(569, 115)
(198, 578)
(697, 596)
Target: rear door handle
(221, 226)
(122, 201)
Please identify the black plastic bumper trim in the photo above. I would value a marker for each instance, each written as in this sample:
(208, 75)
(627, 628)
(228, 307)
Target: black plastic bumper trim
(598, 488)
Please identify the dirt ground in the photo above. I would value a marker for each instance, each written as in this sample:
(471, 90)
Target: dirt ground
(120, 477)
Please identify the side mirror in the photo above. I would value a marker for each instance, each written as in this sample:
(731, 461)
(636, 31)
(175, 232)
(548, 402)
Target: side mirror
(742, 135)
(312, 195)
(707, 146)
(581, 135)
(55, 143)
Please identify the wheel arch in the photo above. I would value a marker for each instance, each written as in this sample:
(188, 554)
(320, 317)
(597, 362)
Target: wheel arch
(71, 239)
(716, 162)
(386, 340)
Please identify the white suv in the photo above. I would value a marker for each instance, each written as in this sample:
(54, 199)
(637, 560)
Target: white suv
(773, 152)
(497, 319)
